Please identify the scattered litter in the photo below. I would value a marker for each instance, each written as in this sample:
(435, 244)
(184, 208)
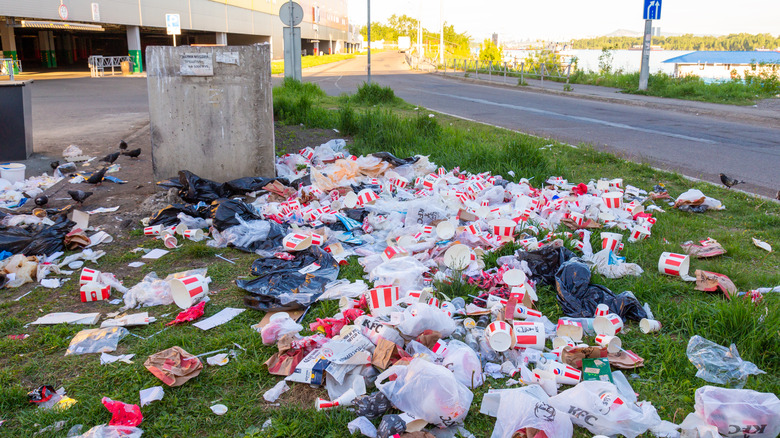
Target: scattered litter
(220, 318)
(149, 395)
(101, 340)
(218, 360)
(274, 393)
(173, 366)
(103, 210)
(136, 264)
(123, 414)
(67, 318)
(219, 409)
(718, 364)
(155, 254)
(761, 244)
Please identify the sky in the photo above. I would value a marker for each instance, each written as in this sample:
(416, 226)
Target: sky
(561, 20)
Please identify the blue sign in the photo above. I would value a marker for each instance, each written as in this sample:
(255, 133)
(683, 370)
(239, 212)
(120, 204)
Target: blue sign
(652, 10)
(173, 24)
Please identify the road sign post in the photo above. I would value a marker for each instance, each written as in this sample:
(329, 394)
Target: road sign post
(368, 39)
(650, 11)
(173, 26)
(291, 14)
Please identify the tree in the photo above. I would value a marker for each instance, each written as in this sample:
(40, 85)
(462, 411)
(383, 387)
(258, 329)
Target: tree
(489, 51)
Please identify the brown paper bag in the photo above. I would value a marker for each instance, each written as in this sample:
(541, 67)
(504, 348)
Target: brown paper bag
(173, 366)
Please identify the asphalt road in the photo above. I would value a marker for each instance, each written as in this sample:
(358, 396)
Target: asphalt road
(696, 146)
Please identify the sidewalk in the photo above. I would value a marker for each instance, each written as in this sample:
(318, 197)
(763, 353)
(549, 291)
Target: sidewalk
(766, 112)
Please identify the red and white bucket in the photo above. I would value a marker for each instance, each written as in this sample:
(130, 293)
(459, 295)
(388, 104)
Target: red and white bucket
(601, 310)
(570, 329)
(503, 227)
(381, 299)
(634, 208)
(610, 324)
(611, 342)
(296, 242)
(674, 264)
(367, 196)
(88, 275)
(578, 218)
(94, 291)
(153, 230)
(317, 239)
(529, 335)
(565, 374)
(638, 233)
(499, 335)
(433, 301)
(188, 291)
(611, 241)
(579, 245)
(613, 199)
(392, 252)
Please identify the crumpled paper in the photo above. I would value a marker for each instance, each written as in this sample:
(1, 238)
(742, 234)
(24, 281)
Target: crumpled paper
(174, 366)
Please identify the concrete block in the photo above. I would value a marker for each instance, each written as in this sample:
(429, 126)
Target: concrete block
(211, 111)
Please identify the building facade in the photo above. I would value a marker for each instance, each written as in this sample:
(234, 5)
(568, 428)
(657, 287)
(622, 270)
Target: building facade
(51, 33)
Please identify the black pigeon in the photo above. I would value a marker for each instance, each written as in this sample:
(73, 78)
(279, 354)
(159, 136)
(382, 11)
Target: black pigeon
(729, 182)
(132, 154)
(41, 200)
(97, 177)
(79, 196)
(110, 158)
(54, 165)
(123, 145)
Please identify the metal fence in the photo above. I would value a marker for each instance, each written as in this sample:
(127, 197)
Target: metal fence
(9, 67)
(98, 64)
(519, 70)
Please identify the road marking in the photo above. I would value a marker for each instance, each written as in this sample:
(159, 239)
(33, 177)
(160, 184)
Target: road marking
(578, 118)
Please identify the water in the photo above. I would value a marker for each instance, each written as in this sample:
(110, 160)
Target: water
(628, 60)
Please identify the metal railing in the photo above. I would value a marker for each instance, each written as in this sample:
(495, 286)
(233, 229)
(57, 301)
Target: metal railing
(9, 67)
(98, 64)
(519, 70)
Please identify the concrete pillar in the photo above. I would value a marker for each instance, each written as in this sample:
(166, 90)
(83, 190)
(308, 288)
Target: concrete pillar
(222, 38)
(134, 48)
(43, 45)
(67, 47)
(8, 41)
(52, 50)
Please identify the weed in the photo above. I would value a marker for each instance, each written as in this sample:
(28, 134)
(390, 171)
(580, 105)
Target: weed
(567, 87)
(374, 94)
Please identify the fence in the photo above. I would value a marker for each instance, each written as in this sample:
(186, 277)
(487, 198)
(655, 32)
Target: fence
(519, 70)
(98, 64)
(9, 67)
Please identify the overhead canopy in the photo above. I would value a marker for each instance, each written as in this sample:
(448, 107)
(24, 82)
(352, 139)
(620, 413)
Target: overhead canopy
(727, 57)
(60, 25)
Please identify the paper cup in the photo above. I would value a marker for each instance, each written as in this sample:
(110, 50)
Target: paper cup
(188, 291)
(529, 335)
(616, 183)
(445, 230)
(170, 241)
(180, 229)
(94, 291)
(88, 275)
(546, 379)
(563, 341)
(196, 235)
(639, 232)
(613, 199)
(649, 325)
(611, 241)
(381, 299)
(367, 196)
(611, 324)
(634, 208)
(565, 374)
(570, 329)
(154, 230)
(523, 312)
(601, 310)
(394, 251)
(674, 264)
(514, 277)
(458, 257)
(499, 336)
(612, 343)
(503, 227)
(350, 200)
(296, 242)
(578, 218)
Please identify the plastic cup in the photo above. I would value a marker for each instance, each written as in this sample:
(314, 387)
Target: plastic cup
(610, 324)
(546, 379)
(514, 277)
(170, 241)
(188, 291)
(649, 325)
(602, 310)
(529, 335)
(523, 312)
(499, 335)
(674, 264)
(565, 374)
(196, 234)
(613, 199)
(611, 241)
(612, 343)
(88, 275)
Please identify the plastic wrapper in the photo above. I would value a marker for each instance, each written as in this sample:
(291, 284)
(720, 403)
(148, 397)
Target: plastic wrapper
(152, 291)
(578, 297)
(609, 265)
(274, 393)
(391, 425)
(739, 412)
(362, 425)
(464, 364)
(36, 239)
(395, 161)
(545, 262)
(598, 407)
(405, 272)
(149, 395)
(420, 317)
(426, 391)
(279, 325)
(226, 213)
(253, 236)
(106, 431)
(280, 286)
(102, 340)
(696, 197)
(123, 414)
(518, 409)
(718, 364)
(168, 216)
(192, 222)
(24, 269)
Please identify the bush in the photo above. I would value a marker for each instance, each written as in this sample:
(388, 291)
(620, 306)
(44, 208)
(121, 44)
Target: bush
(374, 94)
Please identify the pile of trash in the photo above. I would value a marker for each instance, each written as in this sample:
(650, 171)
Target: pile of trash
(399, 352)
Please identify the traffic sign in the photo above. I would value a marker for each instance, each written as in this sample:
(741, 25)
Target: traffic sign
(63, 11)
(291, 13)
(173, 24)
(652, 10)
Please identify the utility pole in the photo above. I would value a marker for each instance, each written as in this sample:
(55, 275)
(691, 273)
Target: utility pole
(419, 34)
(644, 72)
(441, 34)
(368, 34)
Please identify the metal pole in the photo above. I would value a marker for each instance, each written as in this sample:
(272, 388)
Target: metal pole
(441, 35)
(174, 40)
(644, 72)
(292, 42)
(368, 33)
(419, 34)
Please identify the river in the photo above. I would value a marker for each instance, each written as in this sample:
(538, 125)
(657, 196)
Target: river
(628, 60)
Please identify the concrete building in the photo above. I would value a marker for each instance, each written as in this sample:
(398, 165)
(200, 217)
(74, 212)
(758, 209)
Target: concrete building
(720, 64)
(49, 34)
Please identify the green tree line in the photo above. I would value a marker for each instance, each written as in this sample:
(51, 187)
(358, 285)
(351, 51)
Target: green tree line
(736, 41)
(456, 43)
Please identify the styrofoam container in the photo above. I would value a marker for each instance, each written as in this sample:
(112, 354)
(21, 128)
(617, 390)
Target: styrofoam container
(12, 172)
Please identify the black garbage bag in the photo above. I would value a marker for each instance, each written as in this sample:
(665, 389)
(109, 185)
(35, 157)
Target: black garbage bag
(391, 425)
(281, 286)
(224, 211)
(248, 184)
(395, 161)
(167, 216)
(544, 263)
(195, 189)
(38, 239)
(578, 297)
(372, 406)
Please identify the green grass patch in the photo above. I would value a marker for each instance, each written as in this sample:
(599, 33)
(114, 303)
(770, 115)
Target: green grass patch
(277, 67)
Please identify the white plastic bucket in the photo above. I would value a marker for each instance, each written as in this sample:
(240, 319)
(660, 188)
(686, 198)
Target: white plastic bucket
(12, 172)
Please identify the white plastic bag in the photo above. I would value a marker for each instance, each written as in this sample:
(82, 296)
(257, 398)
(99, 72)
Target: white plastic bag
(279, 325)
(427, 391)
(102, 340)
(598, 407)
(464, 364)
(518, 409)
(739, 412)
(718, 364)
(420, 317)
(106, 431)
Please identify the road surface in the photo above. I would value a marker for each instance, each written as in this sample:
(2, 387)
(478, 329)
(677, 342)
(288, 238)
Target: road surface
(696, 146)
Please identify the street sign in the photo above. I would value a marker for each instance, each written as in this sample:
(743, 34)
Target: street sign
(652, 10)
(173, 24)
(291, 13)
(95, 12)
(63, 11)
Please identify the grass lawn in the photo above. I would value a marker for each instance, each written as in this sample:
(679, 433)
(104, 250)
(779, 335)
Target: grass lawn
(277, 67)
(376, 121)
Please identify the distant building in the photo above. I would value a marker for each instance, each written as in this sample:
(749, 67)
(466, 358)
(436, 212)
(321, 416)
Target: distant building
(494, 38)
(720, 64)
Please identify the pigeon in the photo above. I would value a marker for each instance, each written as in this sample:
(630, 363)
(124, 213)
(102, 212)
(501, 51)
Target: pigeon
(123, 145)
(729, 182)
(778, 195)
(79, 196)
(132, 154)
(54, 165)
(41, 200)
(97, 177)
(110, 158)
